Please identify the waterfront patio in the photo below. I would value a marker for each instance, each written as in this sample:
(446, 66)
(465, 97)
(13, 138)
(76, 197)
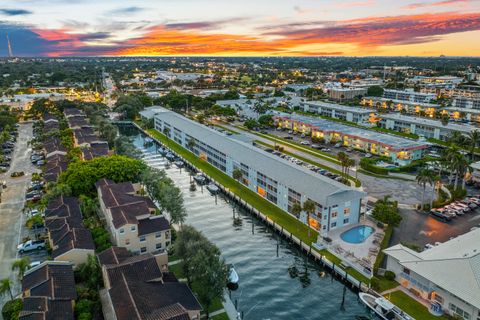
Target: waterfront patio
(359, 255)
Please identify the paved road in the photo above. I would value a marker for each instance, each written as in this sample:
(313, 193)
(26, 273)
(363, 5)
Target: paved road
(405, 192)
(11, 217)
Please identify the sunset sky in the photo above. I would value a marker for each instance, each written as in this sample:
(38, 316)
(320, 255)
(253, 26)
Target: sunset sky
(240, 28)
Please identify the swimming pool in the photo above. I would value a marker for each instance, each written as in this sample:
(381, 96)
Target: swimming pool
(357, 234)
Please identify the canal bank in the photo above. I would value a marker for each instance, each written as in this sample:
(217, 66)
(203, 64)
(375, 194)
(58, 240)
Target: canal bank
(276, 279)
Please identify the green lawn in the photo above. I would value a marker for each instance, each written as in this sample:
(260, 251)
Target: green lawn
(411, 306)
(281, 217)
(384, 284)
(221, 316)
(178, 272)
(355, 181)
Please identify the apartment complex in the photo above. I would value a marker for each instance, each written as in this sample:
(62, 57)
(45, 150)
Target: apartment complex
(273, 178)
(341, 94)
(401, 150)
(427, 128)
(404, 106)
(131, 218)
(447, 275)
(352, 114)
(408, 95)
(466, 103)
(141, 288)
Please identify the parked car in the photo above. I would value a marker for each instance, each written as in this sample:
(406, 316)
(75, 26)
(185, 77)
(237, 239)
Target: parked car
(17, 174)
(315, 146)
(288, 138)
(31, 245)
(34, 264)
(439, 215)
(338, 145)
(305, 143)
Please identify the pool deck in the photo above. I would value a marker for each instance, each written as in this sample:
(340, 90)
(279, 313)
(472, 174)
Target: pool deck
(363, 254)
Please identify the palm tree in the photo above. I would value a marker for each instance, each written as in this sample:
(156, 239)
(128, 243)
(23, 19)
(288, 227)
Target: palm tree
(237, 174)
(309, 207)
(457, 139)
(424, 177)
(6, 288)
(296, 209)
(22, 266)
(191, 144)
(436, 181)
(473, 141)
(342, 157)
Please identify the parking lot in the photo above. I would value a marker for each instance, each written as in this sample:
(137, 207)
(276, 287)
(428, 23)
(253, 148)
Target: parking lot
(421, 228)
(12, 220)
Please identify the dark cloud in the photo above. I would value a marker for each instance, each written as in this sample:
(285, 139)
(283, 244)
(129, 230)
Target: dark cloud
(15, 12)
(203, 25)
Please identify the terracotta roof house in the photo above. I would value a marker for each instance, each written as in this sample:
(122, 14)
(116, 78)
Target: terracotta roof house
(69, 239)
(96, 149)
(54, 166)
(49, 292)
(130, 218)
(138, 288)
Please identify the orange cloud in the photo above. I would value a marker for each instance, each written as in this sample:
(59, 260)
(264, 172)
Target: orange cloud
(442, 3)
(361, 35)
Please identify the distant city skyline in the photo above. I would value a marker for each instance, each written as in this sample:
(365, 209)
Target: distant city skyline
(243, 28)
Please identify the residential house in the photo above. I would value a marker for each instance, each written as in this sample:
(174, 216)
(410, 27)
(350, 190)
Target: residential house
(140, 288)
(69, 239)
(48, 292)
(131, 218)
(447, 275)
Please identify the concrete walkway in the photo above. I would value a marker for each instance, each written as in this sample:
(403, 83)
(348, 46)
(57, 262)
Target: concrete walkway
(230, 307)
(172, 263)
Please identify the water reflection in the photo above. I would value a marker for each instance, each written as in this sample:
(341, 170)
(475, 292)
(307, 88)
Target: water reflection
(276, 280)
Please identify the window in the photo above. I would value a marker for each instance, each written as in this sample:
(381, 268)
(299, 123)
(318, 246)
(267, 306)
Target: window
(122, 231)
(346, 211)
(143, 249)
(345, 221)
(158, 235)
(158, 246)
(167, 243)
(333, 225)
(406, 271)
(334, 214)
(133, 228)
(142, 238)
(167, 234)
(127, 242)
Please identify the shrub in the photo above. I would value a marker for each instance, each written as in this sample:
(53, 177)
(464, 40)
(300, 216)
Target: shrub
(389, 275)
(11, 309)
(375, 283)
(369, 165)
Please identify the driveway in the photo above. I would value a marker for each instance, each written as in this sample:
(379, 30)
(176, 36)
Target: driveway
(13, 200)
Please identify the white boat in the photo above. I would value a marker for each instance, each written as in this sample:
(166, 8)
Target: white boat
(148, 140)
(233, 276)
(213, 188)
(179, 164)
(200, 178)
(383, 308)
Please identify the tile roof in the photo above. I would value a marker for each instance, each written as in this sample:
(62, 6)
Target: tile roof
(152, 224)
(113, 255)
(140, 291)
(125, 206)
(52, 280)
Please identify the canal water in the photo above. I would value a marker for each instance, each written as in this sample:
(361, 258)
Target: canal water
(276, 279)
